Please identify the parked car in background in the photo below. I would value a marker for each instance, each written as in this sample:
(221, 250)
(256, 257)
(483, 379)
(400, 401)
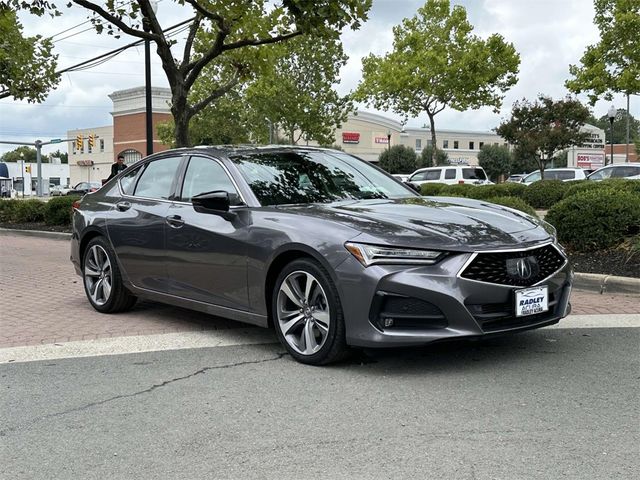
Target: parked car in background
(450, 175)
(324, 247)
(516, 178)
(565, 174)
(628, 171)
(83, 188)
(59, 190)
(401, 177)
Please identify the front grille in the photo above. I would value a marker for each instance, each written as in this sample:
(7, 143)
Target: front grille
(502, 267)
(390, 311)
(493, 317)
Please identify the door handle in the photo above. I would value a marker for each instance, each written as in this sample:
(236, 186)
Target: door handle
(174, 221)
(123, 206)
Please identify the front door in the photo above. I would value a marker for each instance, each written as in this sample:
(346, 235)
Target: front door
(207, 252)
(137, 226)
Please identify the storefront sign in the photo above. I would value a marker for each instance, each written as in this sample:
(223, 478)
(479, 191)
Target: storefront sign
(85, 163)
(590, 160)
(350, 137)
(384, 140)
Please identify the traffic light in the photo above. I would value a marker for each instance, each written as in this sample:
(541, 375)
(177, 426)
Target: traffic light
(27, 169)
(92, 140)
(79, 142)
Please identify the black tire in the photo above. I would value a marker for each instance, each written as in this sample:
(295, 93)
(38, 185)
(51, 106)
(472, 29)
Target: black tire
(334, 347)
(119, 298)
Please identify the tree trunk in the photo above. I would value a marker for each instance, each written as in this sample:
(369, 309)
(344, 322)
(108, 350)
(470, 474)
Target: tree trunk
(432, 125)
(181, 117)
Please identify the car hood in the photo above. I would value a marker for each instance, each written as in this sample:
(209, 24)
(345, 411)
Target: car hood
(436, 222)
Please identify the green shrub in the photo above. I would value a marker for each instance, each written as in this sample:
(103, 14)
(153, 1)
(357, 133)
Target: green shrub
(596, 219)
(7, 207)
(430, 189)
(58, 210)
(611, 183)
(514, 202)
(545, 193)
(458, 190)
(508, 189)
(28, 211)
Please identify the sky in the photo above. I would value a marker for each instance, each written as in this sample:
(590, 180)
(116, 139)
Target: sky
(548, 34)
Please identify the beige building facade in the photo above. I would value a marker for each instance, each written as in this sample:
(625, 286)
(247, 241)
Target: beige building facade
(367, 135)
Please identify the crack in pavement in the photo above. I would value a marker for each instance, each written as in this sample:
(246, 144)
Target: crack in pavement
(146, 390)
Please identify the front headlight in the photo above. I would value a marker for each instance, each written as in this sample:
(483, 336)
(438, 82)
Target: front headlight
(374, 254)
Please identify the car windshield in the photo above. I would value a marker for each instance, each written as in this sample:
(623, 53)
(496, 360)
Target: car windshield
(289, 177)
(473, 174)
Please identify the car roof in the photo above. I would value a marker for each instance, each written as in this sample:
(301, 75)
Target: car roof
(229, 150)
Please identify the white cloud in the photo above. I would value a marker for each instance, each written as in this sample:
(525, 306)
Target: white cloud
(549, 35)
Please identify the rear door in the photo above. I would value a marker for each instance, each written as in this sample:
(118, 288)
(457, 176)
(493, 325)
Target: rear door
(208, 251)
(137, 226)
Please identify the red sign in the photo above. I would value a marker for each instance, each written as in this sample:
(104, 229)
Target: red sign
(590, 160)
(350, 137)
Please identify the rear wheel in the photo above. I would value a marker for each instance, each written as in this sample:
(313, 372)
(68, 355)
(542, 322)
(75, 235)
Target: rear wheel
(102, 280)
(307, 313)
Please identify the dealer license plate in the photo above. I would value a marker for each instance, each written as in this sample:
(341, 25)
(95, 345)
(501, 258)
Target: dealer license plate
(531, 301)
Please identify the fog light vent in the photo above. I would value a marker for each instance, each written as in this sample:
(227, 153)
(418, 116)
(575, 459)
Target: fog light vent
(388, 322)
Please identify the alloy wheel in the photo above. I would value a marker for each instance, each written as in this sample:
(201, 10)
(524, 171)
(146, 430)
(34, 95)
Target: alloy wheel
(303, 313)
(98, 275)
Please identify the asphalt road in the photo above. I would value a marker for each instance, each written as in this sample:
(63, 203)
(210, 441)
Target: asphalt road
(546, 404)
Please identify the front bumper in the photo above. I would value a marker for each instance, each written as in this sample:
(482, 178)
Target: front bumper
(431, 303)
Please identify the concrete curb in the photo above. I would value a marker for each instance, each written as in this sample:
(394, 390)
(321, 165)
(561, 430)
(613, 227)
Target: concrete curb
(36, 233)
(607, 283)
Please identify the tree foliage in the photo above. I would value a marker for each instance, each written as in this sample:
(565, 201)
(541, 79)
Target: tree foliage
(222, 27)
(426, 157)
(398, 159)
(437, 62)
(612, 64)
(619, 127)
(23, 152)
(543, 128)
(496, 160)
(27, 66)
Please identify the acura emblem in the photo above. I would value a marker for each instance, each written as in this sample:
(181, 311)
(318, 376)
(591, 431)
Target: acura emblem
(523, 268)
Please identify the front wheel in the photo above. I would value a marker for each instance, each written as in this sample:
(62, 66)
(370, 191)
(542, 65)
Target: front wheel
(307, 314)
(101, 278)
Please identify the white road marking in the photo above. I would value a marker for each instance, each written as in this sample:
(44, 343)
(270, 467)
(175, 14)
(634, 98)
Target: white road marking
(225, 338)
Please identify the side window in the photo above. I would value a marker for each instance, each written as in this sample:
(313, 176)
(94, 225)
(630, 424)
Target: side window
(534, 177)
(450, 173)
(418, 177)
(156, 180)
(205, 175)
(128, 181)
(621, 172)
(432, 174)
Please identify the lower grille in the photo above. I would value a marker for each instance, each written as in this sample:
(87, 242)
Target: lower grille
(493, 317)
(518, 268)
(398, 312)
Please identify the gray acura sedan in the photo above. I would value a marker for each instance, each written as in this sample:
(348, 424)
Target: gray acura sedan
(326, 248)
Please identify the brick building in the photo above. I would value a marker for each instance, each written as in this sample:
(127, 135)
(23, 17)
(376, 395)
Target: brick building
(126, 136)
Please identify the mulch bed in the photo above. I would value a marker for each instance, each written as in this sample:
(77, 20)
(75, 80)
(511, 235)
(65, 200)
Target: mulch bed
(37, 226)
(610, 262)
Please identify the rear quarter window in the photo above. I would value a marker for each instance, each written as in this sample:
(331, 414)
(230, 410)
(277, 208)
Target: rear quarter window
(473, 174)
(432, 175)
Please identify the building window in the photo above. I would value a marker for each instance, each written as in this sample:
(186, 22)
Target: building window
(418, 144)
(455, 144)
(471, 145)
(131, 156)
(445, 144)
(429, 143)
(102, 145)
(82, 147)
(480, 145)
(89, 149)
(73, 148)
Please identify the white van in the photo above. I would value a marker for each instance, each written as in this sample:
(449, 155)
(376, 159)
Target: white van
(450, 175)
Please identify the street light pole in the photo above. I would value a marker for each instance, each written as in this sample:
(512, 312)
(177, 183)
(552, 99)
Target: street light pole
(147, 83)
(612, 116)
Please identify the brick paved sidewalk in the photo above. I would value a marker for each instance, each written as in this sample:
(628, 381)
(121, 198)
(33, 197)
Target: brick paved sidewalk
(42, 301)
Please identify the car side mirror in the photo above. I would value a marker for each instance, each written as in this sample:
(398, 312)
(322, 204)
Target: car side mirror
(217, 201)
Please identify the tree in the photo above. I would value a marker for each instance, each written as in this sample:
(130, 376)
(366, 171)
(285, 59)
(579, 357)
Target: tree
(619, 126)
(27, 66)
(63, 156)
(523, 161)
(496, 160)
(613, 64)
(23, 152)
(296, 90)
(545, 127)
(437, 62)
(426, 157)
(398, 159)
(235, 25)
